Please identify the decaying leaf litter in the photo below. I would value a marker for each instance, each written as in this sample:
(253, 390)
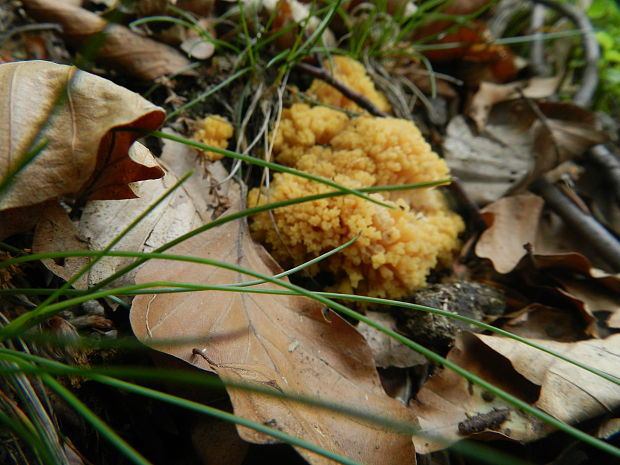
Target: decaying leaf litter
(541, 273)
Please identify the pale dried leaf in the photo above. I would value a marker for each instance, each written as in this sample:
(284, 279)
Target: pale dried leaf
(512, 224)
(121, 48)
(197, 47)
(447, 403)
(190, 206)
(521, 140)
(279, 342)
(568, 393)
(609, 428)
(537, 321)
(83, 158)
(488, 166)
(56, 233)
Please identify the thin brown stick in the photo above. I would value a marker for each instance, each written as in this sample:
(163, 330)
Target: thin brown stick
(359, 99)
(610, 167)
(604, 242)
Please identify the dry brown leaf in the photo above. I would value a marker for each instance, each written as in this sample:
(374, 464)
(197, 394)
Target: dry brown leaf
(450, 408)
(56, 233)
(488, 166)
(557, 247)
(86, 156)
(537, 321)
(568, 393)
(82, 151)
(121, 48)
(521, 140)
(512, 224)
(190, 206)
(447, 403)
(282, 343)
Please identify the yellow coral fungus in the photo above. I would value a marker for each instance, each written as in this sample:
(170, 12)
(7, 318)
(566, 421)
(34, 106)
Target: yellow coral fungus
(214, 131)
(353, 75)
(396, 248)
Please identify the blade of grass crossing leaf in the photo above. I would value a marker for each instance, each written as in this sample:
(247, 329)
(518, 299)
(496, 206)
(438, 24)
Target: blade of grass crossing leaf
(472, 449)
(30, 156)
(303, 266)
(407, 342)
(294, 290)
(35, 314)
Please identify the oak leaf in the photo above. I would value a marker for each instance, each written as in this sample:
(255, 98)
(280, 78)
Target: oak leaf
(288, 344)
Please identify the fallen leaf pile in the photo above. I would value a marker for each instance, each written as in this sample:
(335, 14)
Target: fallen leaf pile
(73, 177)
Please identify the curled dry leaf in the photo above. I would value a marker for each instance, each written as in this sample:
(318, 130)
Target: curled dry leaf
(284, 343)
(487, 166)
(521, 140)
(387, 351)
(121, 48)
(490, 94)
(87, 122)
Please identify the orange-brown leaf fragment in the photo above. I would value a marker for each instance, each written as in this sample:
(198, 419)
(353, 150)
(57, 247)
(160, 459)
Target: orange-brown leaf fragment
(282, 343)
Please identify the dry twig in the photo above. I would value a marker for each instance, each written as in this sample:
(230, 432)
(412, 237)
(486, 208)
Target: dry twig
(597, 235)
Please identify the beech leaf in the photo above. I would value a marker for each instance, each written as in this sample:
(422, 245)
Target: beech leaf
(568, 393)
(284, 343)
(82, 117)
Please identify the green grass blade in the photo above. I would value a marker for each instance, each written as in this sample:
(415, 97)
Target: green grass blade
(267, 164)
(94, 420)
(469, 448)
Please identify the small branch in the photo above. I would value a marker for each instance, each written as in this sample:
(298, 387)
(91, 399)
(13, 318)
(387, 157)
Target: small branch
(323, 75)
(610, 165)
(596, 234)
(591, 50)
